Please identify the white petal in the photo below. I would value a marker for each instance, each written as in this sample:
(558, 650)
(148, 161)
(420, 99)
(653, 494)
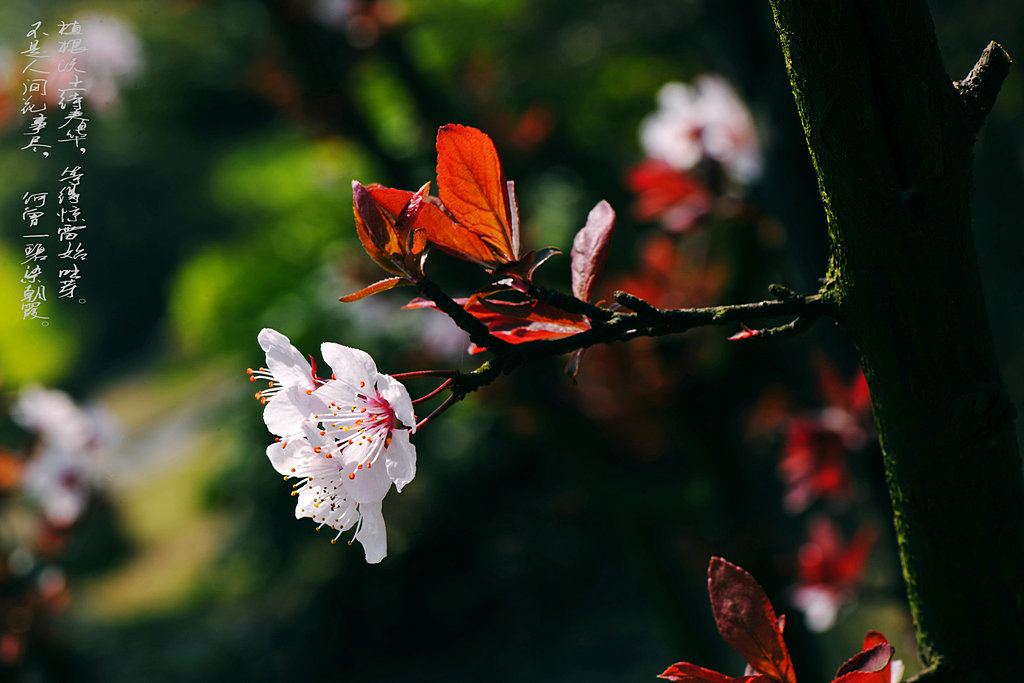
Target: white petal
(284, 360)
(395, 393)
(372, 533)
(336, 391)
(370, 484)
(304, 505)
(286, 411)
(351, 366)
(896, 671)
(287, 459)
(401, 459)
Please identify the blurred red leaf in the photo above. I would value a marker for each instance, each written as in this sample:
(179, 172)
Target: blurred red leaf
(472, 186)
(590, 249)
(813, 463)
(747, 621)
(682, 672)
(827, 559)
(852, 396)
(665, 193)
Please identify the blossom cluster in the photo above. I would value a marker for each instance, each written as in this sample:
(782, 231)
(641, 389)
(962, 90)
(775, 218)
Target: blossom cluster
(345, 439)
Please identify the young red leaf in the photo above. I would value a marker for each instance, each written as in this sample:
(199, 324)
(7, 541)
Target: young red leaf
(682, 672)
(745, 333)
(873, 664)
(381, 286)
(873, 638)
(516, 321)
(590, 249)
(428, 219)
(472, 186)
(747, 621)
(524, 268)
(375, 229)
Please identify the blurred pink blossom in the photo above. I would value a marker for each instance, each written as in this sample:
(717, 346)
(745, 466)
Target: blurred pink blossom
(705, 120)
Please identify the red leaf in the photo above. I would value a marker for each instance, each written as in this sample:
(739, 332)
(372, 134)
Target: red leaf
(516, 321)
(870, 665)
(375, 229)
(873, 638)
(683, 672)
(745, 333)
(525, 267)
(747, 621)
(590, 249)
(429, 219)
(472, 186)
(381, 286)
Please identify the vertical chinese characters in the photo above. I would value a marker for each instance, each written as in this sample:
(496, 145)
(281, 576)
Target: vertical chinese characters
(34, 293)
(34, 89)
(53, 82)
(70, 86)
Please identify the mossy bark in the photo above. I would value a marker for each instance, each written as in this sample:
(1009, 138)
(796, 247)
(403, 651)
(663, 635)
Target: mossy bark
(891, 136)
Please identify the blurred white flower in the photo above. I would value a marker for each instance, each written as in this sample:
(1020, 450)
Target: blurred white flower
(820, 606)
(60, 422)
(61, 481)
(111, 55)
(351, 444)
(61, 474)
(705, 120)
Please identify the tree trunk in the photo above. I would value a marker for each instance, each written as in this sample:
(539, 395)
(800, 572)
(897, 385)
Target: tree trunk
(891, 139)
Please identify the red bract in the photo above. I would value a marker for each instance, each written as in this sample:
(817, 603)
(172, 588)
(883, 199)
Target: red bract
(747, 621)
(675, 197)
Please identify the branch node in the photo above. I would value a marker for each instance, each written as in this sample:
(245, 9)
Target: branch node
(642, 308)
(781, 292)
(979, 89)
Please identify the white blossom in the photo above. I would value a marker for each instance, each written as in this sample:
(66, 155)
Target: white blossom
(703, 120)
(346, 439)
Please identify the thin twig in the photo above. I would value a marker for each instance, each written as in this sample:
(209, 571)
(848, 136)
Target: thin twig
(444, 385)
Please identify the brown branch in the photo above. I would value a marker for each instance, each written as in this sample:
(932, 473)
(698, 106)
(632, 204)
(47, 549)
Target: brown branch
(979, 89)
(649, 321)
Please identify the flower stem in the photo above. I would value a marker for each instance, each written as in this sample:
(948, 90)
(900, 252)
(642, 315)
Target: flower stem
(435, 392)
(448, 403)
